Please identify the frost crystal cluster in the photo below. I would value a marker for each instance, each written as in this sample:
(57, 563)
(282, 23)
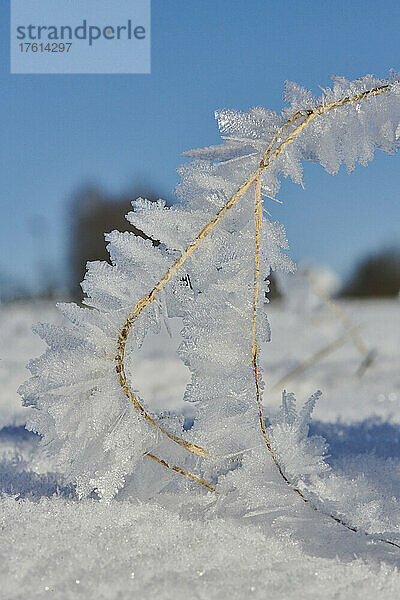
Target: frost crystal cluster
(97, 436)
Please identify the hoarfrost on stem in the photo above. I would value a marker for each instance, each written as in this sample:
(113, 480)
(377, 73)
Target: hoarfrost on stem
(89, 427)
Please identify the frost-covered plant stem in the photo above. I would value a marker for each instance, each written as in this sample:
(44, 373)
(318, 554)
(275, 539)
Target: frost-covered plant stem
(255, 179)
(254, 350)
(81, 408)
(269, 156)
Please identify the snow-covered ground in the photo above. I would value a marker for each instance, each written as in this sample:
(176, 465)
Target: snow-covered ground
(52, 545)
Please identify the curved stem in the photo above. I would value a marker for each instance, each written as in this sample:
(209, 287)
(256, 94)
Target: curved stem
(269, 156)
(254, 353)
(254, 348)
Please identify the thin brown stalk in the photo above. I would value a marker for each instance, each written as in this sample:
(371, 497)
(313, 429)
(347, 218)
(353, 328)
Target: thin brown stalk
(188, 474)
(254, 348)
(269, 156)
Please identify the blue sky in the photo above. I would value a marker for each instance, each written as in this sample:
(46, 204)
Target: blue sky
(62, 131)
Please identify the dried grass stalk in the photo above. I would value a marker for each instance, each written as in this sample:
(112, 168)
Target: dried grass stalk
(271, 153)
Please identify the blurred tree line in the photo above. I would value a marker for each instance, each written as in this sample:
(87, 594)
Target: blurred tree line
(92, 212)
(376, 275)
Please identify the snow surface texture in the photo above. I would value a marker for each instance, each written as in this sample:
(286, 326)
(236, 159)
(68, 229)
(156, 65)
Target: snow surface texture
(95, 442)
